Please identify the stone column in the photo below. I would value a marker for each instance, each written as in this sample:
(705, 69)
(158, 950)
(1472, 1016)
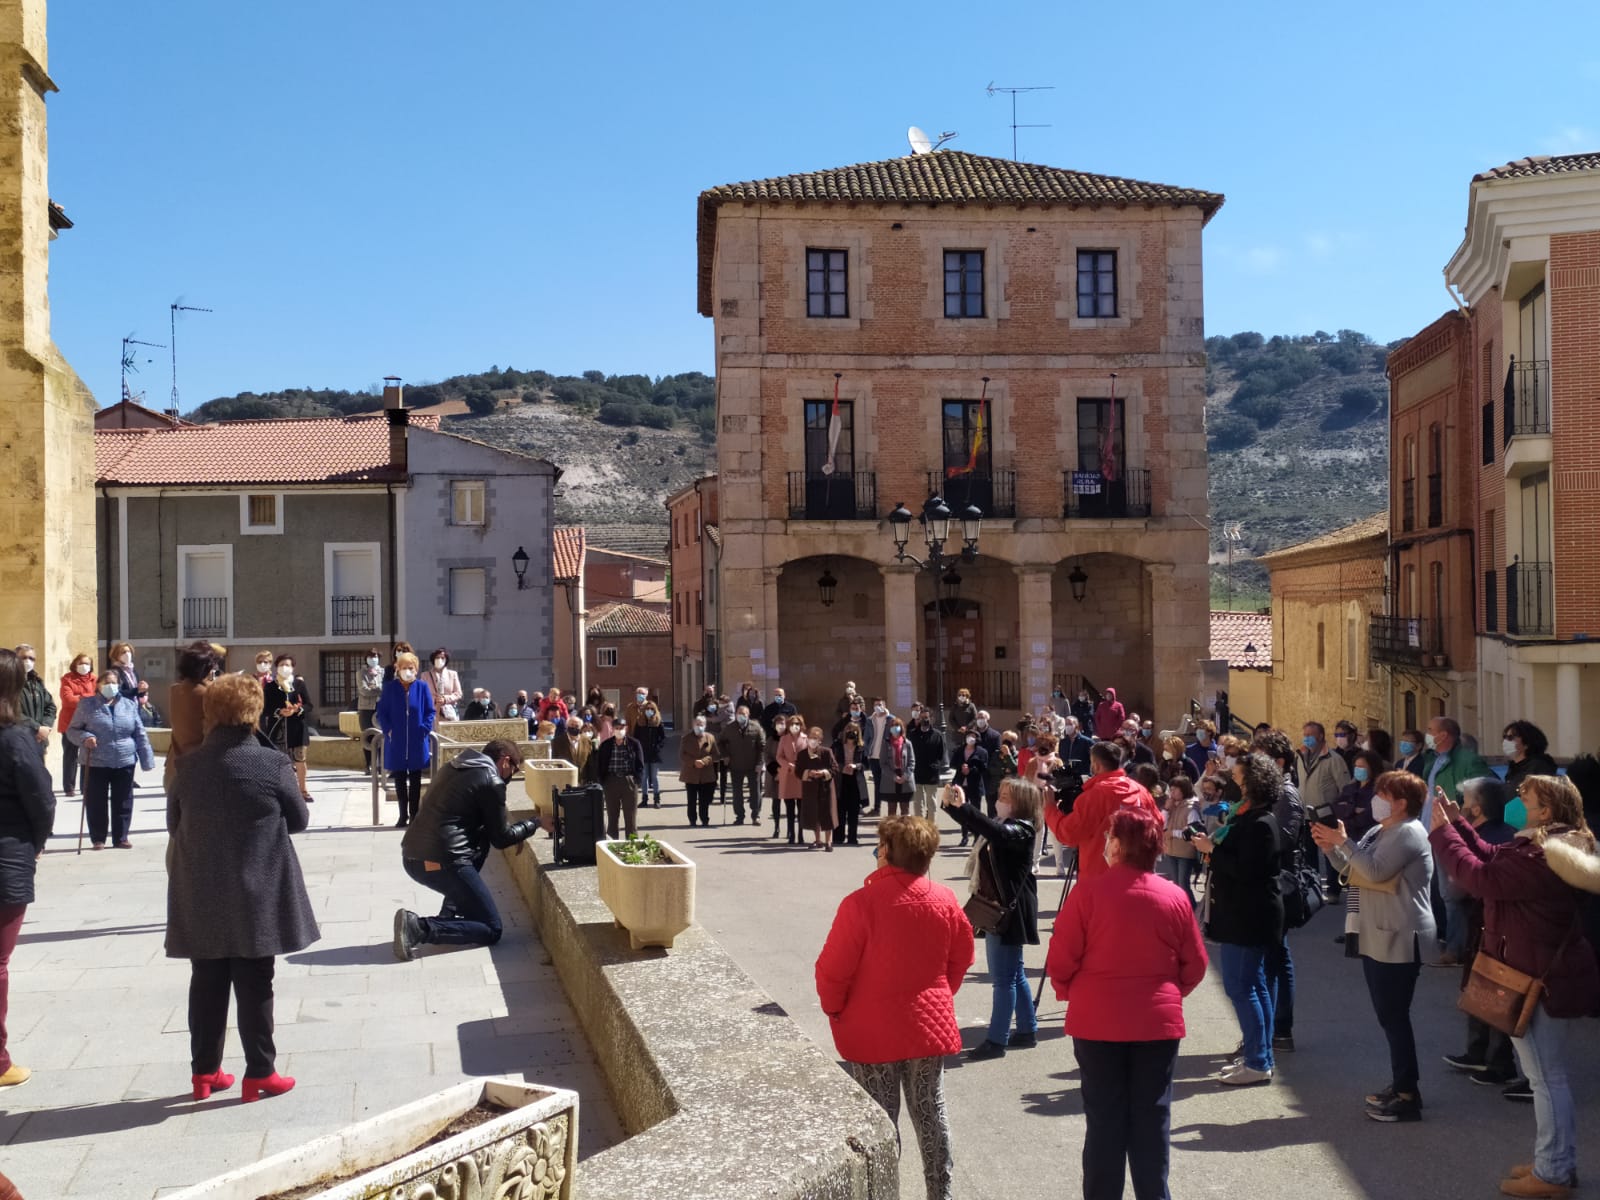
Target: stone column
(902, 629)
(764, 642)
(1179, 639)
(1035, 633)
(1569, 711)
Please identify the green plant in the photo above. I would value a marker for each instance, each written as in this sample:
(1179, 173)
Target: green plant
(640, 850)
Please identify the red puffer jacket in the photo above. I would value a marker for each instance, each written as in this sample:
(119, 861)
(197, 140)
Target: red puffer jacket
(889, 971)
(1125, 952)
(1085, 826)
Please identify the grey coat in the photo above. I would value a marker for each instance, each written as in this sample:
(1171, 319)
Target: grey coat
(234, 887)
(1392, 925)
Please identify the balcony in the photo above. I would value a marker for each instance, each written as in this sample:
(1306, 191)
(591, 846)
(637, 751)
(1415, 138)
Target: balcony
(1435, 500)
(995, 493)
(1530, 599)
(1086, 495)
(1527, 398)
(353, 616)
(989, 688)
(840, 496)
(1406, 641)
(1408, 505)
(205, 616)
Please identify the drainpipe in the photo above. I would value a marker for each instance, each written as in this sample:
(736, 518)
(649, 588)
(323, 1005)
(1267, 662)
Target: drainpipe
(394, 568)
(105, 586)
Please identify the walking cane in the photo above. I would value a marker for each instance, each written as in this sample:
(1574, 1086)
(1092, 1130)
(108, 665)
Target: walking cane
(83, 796)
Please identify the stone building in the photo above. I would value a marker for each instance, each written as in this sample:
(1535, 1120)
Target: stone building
(908, 283)
(1243, 640)
(691, 515)
(47, 566)
(1528, 269)
(632, 646)
(1326, 593)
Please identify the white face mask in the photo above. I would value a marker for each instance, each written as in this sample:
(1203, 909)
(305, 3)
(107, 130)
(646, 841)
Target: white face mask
(699, 726)
(286, 671)
(27, 664)
(971, 741)
(1428, 741)
(1508, 747)
(1228, 761)
(1382, 810)
(263, 668)
(372, 662)
(982, 724)
(438, 663)
(83, 668)
(1003, 809)
(127, 660)
(1167, 754)
(407, 675)
(109, 690)
(877, 710)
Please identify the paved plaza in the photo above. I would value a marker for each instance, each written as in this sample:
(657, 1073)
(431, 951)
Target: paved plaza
(99, 1013)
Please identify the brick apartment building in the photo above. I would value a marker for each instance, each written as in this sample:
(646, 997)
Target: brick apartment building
(912, 280)
(692, 515)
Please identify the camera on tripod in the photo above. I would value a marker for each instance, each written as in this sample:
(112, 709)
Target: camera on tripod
(1068, 786)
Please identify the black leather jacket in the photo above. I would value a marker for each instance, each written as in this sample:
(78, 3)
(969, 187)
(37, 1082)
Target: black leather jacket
(464, 809)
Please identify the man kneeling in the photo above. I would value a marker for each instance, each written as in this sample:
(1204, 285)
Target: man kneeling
(462, 814)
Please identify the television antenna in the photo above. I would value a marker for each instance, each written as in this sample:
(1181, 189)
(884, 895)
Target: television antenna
(130, 360)
(176, 307)
(921, 143)
(1012, 91)
(1232, 539)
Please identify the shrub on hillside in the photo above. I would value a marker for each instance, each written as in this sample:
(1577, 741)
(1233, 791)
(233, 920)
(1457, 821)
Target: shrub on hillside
(1229, 432)
(482, 402)
(1265, 411)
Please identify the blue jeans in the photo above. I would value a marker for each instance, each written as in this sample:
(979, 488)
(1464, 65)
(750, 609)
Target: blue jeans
(1244, 979)
(652, 781)
(469, 916)
(1280, 981)
(1542, 1051)
(1181, 871)
(1011, 992)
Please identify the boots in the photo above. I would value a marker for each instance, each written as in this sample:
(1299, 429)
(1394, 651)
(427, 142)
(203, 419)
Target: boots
(794, 837)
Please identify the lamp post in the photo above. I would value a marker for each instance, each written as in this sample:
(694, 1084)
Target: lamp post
(936, 519)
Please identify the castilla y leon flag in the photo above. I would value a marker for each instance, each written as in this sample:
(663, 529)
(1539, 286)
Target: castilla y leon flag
(1108, 444)
(833, 428)
(977, 436)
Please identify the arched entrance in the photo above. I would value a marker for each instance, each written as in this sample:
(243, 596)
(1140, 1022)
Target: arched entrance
(1105, 639)
(821, 646)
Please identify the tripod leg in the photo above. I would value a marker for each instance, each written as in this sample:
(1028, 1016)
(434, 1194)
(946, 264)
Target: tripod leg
(1066, 883)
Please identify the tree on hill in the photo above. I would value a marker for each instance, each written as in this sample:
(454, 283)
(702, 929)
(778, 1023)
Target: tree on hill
(482, 401)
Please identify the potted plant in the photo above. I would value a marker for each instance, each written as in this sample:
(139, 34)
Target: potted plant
(498, 1138)
(649, 888)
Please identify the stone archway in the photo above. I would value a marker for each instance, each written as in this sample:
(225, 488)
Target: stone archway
(820, 648)
(1106, 638)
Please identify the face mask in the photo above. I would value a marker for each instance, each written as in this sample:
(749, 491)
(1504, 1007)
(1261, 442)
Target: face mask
(1167, 755)
(127, 660)
(1408, 748)
(877, 710)
(699, 726)
(1203, 738)
(1229, 761)
(1361, 774)
(1427, 741)
(109, 690)
(1382, 810)
(1004, 810)
(438, 663)
(894, 731)
(1310, 743)
(982, 724)
(639, 696)
(286, 672)
(779, 698)
(794, 729)
(1149, 729)
(1083, 697)
(622, 732)
(263, 668)
(971, 741)
(926, 724)
(27, 664)
(1508, 747)
(1341, 740)
(82, 668)
(574, 730)
(372, 662)
(1365, 744)
(742, 718)
(407, 675)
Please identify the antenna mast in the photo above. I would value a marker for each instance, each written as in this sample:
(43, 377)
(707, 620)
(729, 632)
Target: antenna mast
(177, 307)
(1012, 91)
(128, 360)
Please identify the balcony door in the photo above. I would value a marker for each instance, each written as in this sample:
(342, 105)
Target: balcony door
(1098, 419)
(1530, 591)
(352, 590)
(206, 591)
(830, 495)
(1532, 325)
(1536, 518)
(961, 431)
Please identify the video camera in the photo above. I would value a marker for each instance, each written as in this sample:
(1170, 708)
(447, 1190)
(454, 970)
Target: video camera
(1068, 786)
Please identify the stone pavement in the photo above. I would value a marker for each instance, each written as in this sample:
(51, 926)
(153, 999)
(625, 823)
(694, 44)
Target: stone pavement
(1018, 1121)
(99, 1013)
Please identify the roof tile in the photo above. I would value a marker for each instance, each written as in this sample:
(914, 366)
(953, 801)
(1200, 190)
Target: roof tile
(567, 549)
(1542, 164)
(1231, 632)
(619, 617)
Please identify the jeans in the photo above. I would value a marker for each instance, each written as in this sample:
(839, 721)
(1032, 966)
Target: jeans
(1181, 871)
(1011, 992)
(117, 784)
(469, 916)
(1458, 928)
(1542, 1051)
(1127, 1107)
(622, 801)
(250, 980)
(1280, 980)
(700, 797)
(652, 781)
(1391, 986)
(10, 925)
(1244, 979)
(922, 1079)
(747, 781)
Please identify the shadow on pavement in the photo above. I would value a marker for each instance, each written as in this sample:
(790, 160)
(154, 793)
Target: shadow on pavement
(344, 956)
(85, 1120)
(72, 935)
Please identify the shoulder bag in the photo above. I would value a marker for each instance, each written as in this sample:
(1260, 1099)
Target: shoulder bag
(984, 908)
(1502, 996)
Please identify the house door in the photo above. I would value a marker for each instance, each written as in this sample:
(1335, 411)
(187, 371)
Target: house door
(961, 626)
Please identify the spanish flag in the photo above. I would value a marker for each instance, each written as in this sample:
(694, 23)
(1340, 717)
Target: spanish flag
(977, 436)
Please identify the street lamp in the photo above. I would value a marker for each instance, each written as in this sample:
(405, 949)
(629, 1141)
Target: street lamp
(936, 518)
(826, 584)
(1078, 581)
(519, 564)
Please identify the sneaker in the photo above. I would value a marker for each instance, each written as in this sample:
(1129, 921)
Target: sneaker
(738, 820)
(1490, 1078)
(407, 933)
(1520, 1090)
(1243, 1076)
(1022, 1041)
(1283, 1042)
(986, 1050)
(1378, 1099)
(15, 1076)
(1471, 1063)
(1396, 1108)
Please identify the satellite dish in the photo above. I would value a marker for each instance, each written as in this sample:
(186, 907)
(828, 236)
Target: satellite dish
(921, 143)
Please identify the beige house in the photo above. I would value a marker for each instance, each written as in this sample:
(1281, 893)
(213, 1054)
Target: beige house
(1022, 338)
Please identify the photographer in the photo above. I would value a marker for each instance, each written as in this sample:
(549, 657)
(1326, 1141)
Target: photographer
(1107, 793)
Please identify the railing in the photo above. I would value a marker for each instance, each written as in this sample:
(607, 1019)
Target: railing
(1491, 601)
(353, 616)
(995, 493)
(840, 496)
(1087, 494)
(1409, 641)
(1530, 599)
(989, 688)
(1408, 505)
(1435, 500)
(205, 616)
(1527, 397)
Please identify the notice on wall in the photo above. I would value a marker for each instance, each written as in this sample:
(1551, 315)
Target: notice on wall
(1086, 483)
(1041, 648)
(1036, 664)
(902, 697)
(902, 647)
(757, 652)
(1038, 699)
(758, 669)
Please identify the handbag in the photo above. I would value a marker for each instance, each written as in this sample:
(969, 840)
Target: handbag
(1503, 997)
(1302, 894)
(984, 907)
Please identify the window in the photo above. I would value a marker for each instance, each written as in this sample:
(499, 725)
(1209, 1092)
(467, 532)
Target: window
(466, 503)
(468, 591)
(699, 609)
(338, 676)
(1352, 643)
(825, 284)
(350, 570)
(1322, 659)
(605, 656)
(205, 591)
(260, 513)
(961, 431)
(963, 283)
(818, 415)
(1100, 430)
(1097, 283)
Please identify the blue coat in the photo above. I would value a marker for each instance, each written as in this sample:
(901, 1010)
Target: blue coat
(118, 732)
(406, 717)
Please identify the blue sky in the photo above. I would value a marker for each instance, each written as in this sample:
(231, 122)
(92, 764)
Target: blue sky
(362, 188)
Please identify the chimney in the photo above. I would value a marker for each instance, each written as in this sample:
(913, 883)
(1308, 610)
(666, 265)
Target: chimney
(394, 404)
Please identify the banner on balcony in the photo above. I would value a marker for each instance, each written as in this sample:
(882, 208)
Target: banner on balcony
(833, 428)
(1087, 483)
(1414, 633)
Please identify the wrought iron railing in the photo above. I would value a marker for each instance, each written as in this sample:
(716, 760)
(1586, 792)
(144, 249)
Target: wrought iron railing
(205, 616)
(1530, 599)
(354, 616)
(1527, 397)
(1409, 641)
(1089, 494)
(840, 496)
(994, 492)
(990, 688)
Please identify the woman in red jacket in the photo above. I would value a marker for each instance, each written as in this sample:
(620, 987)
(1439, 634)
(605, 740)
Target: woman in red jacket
(1124, 954)
(77, 684)
(887, 978)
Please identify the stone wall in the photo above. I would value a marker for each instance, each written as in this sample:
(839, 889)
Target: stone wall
(1322, 610)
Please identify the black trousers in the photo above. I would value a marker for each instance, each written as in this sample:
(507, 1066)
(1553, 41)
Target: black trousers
(700, 797)
(113, 786)
(1127, 1107)
(1391, 986)
(408, 791)
(250, 980)
(1494, 1046)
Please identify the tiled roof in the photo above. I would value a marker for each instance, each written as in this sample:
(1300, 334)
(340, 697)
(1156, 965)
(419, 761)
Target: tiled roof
(942, 177)
(1542, 164)
(104, 417)
(1231, 632)
(1375, 526)
(567, 548)
(645, 540)
(714, 532)
(612, 551)
(620, 618)
(313, 450)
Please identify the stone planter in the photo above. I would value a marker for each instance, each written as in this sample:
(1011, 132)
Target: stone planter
(541, 779)
(350, 724)
(654, 903)
(526, 1154)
